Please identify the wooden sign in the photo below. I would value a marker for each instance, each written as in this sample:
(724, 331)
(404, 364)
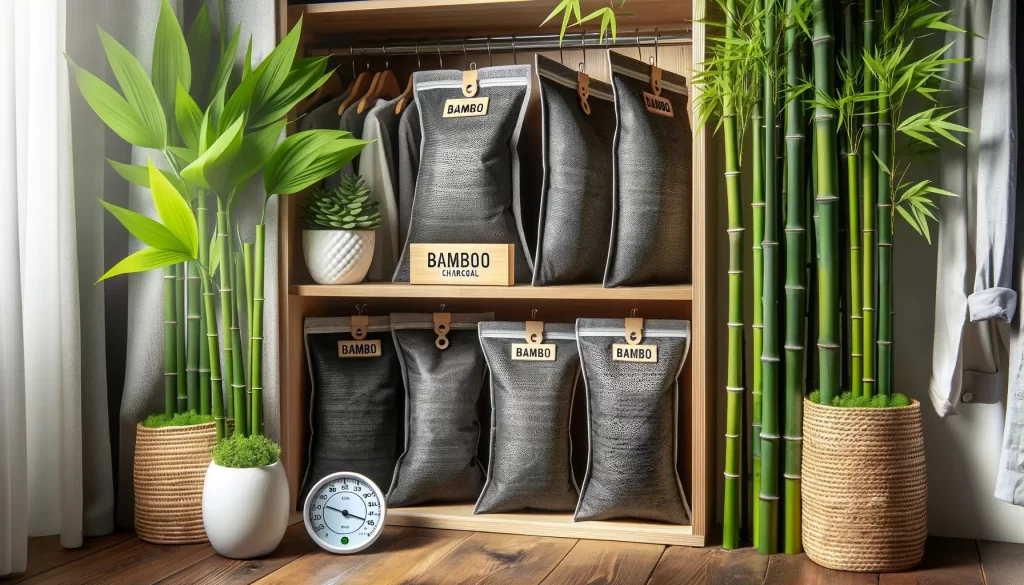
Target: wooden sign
(465, 108)
(658, 105)
(623, 352)
(366, 348)
(534, 352)
(479, 264)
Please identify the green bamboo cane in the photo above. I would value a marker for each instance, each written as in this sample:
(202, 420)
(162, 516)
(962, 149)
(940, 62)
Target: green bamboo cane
(869, 182)
(757, 329)
(181, 386)
(827, 202)
(734, 381)
(205, 404)
(256, 335)
(193, 332)
(796, 289)
(884, 228)
(213, 347)
(237, 363)
(170, 345)
(240, 306)
(246, 263)
(767, 540)
(237, 395)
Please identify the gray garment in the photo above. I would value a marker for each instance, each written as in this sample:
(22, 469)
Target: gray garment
(373, 168)
(352, 120)
(324, 116)
(144, 368)
(409, 138)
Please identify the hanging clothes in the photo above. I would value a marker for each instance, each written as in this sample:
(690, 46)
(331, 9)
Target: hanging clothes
(351, 120)
(373, 167)
(325, 116)
(409, 138)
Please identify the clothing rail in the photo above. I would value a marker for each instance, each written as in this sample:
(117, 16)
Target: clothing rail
(503, 44)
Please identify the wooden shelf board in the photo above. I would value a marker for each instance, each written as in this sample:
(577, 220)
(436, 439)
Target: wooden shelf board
(461, 517)
(681, 292)
(396, 17)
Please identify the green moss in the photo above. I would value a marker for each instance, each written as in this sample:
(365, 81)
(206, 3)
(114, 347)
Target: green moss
(847, 400)
(182, 419)
(245, 452)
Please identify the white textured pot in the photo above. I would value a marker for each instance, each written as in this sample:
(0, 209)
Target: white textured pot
(338, 256)
(245, 511)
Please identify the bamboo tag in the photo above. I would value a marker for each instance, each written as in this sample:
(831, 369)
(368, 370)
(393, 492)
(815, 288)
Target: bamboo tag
(442, 325)
(622, 352)
(360, 324)
(658, 105)
(656, 80)
(534, 350)
(634, 330)
(359, 349)
(583, 90)
(465, 108)
(470, 83)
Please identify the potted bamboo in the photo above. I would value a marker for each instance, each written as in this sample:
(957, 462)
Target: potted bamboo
(214, 149)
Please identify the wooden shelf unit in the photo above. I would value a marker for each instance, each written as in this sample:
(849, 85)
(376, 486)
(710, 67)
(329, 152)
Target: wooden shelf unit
(426, 19)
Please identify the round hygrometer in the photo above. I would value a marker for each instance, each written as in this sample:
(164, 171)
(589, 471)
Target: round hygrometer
(344, 512)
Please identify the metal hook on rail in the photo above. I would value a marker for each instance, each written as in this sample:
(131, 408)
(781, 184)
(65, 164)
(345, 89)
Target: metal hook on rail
(419, 64)
(352, 55)
(583, 63)
(654, 59)
(440, 60)
(639, 53)
(490, 57)
(515, 60)
(384, 50)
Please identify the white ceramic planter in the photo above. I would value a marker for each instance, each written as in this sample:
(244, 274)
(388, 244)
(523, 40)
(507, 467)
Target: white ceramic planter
(338, 256)
(245, 511)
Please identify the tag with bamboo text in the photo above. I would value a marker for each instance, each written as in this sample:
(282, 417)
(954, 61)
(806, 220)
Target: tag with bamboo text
(658, 105)
(366, 348)
(466, 107)
(623, 352)
(533, 352)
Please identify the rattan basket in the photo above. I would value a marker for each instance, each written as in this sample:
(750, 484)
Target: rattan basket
(865, 490)
(170, 465)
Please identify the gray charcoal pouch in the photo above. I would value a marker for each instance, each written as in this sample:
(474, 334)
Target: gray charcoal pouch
(651, 236)
(576, 196)
(467, 189)
(632, 423)
(442, 429)
(530, 463)
(354, 412)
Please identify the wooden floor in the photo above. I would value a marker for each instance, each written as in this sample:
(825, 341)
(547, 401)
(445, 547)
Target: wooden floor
(443, 557)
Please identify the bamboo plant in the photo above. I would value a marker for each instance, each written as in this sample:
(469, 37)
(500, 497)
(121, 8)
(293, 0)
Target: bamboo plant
(216, 152)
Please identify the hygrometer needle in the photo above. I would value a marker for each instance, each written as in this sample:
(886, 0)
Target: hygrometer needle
(347, 515)
(343, 513)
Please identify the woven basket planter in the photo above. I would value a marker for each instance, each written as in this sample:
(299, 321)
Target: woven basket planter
(865, 490)
(170, 465)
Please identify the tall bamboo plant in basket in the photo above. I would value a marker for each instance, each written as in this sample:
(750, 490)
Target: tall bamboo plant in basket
(210, 130)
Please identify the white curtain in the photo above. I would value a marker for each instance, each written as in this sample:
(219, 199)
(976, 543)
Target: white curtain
(55, 458)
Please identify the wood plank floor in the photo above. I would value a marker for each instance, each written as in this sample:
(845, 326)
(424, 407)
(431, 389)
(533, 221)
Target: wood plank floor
(446, 557)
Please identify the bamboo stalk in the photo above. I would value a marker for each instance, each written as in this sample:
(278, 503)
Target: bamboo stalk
(213, 347)
(170, 345)
(796, 288)
(767, 540)
(181, 386)
(193, 332)
(826, 200)
(205, 404)
(869, 182)
(757, 329)
(256, 335)
(884, 228)
(237, 365)
(226, 303)
(240, 307)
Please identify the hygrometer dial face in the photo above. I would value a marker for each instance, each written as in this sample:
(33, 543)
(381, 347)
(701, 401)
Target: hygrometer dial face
(344, 512)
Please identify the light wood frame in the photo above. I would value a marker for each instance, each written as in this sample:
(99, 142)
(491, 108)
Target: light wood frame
(300, 299)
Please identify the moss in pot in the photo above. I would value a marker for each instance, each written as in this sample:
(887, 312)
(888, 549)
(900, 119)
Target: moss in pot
(245, 497)
(338, 232)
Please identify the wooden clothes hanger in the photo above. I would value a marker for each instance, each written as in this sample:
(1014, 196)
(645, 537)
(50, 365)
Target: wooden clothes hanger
(330, 89)
(384, 86)
(407, 95)
(357, 89)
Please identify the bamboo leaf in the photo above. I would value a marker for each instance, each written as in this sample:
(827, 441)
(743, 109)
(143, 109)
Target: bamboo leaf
(938, 191)
(247, 61)
(184, 155)
(148, 231)
(137, 89)
(273, 71)
(910, 219)
(171, 64)
(188, 117)
(223, 71)
(145, 259)
(199, 39)
(222, 149)
(305, 78)
(307, 157)
(174, 212)
(139, 175)
(114, 110)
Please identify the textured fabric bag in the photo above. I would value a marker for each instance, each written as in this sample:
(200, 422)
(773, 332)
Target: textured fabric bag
(576, 197)
(633, 423)
(530, 463)
(651, 234)
(354, 413)
(442, 428)
(468, 186)
(408, 165)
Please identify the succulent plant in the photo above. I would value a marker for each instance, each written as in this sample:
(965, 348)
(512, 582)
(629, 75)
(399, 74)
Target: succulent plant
(350, 206)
